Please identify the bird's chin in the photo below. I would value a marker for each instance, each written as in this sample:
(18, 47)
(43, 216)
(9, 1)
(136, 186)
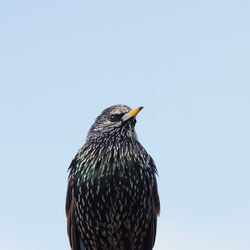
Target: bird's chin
(130, 122)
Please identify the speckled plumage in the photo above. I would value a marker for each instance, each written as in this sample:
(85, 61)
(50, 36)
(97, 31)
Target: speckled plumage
(112, 199)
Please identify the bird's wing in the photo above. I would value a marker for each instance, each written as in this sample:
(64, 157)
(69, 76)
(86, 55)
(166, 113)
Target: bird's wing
(73, 234)
(150, 238)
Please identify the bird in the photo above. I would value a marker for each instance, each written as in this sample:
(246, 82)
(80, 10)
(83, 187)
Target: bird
(112, 199)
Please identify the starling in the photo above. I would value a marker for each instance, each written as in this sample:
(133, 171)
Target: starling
(112, 199)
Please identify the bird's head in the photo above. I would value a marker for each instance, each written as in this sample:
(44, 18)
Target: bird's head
(115, 121)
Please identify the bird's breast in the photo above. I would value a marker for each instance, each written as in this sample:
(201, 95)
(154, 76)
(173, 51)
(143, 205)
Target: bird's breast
(116, 192)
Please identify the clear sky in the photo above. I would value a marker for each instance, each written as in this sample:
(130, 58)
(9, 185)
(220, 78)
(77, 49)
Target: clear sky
(187, 62)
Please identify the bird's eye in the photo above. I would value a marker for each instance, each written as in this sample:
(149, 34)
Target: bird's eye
(115, 117)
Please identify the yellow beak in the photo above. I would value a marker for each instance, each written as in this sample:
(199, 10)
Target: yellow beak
(132, 113)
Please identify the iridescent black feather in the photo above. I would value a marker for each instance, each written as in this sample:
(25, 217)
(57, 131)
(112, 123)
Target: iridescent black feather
(112, 199)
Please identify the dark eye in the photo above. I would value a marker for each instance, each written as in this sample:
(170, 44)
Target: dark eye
(115, 117)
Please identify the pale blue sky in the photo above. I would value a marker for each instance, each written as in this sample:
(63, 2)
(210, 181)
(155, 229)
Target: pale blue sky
(186, 62)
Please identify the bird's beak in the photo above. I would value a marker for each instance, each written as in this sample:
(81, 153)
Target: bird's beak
(132, 113)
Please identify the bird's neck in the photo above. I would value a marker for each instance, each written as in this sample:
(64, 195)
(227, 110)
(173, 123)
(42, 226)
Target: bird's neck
(111, 147)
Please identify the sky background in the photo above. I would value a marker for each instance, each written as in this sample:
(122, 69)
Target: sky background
(187, 62)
